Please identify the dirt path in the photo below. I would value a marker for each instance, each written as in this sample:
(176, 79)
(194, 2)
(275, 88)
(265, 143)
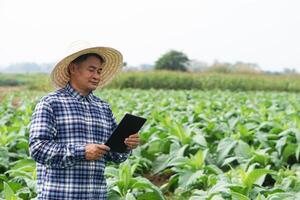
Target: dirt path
(5, 90)
(10, 89)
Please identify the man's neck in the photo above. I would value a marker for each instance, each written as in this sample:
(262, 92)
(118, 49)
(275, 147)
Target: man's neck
(79, 90)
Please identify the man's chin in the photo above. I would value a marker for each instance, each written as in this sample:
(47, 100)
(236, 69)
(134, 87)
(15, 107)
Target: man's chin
(93, 87)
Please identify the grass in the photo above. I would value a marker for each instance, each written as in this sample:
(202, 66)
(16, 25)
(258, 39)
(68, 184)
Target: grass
(173, 80)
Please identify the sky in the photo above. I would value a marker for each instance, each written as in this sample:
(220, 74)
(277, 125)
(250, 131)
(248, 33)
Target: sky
(266, 32)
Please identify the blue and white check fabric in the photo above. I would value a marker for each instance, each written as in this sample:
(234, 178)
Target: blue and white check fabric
(62, 124)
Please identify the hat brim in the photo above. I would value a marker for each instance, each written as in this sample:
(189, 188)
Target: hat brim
(113, 62)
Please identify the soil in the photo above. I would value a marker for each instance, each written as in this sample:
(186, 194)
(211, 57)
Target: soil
(5, 90)
(9, 89)
(158, 180)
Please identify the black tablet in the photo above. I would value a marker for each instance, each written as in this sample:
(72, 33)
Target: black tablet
(129, 125)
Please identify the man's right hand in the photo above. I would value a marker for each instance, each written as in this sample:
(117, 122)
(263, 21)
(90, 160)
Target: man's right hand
(95, 151)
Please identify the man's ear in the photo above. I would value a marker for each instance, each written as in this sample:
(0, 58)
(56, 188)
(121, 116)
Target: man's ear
(72, 68)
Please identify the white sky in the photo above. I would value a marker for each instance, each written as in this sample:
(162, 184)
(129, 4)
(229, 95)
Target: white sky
(266, 32)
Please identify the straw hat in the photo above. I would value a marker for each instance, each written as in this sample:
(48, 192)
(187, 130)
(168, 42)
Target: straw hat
(113, 62)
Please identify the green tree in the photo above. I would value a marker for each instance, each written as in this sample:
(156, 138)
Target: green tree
(172, 60)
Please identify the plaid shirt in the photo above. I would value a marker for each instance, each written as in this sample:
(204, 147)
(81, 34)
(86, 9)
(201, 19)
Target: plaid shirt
(62, 124)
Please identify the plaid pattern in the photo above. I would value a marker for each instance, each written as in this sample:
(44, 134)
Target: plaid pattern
(62, 124)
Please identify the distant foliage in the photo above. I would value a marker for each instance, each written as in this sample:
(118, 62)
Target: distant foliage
(9, 82)
(238, 67)
(206, 81)
(172, 60)
(176, 80)
(36, 81)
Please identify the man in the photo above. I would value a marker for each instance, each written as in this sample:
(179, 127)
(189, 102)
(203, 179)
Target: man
(70, 126)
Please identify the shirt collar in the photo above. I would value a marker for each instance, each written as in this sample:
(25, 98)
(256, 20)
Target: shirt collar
(77, 95)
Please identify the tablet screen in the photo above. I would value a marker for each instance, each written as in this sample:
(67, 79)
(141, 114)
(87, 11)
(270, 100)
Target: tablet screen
(130, 124)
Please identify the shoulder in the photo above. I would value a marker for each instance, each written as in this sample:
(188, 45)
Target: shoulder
(53, 97)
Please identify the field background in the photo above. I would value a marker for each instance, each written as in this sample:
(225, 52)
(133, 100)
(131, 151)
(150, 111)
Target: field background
(172, 80)
(208, 135)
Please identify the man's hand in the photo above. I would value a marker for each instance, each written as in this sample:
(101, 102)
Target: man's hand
(132, 141)
(95, 151)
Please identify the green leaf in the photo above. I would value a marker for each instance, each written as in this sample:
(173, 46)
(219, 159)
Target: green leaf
(129, 196)
(288, 151)
(125, 176)
(260, 197)
(238, 196)
(111, 171)
(224, 148)
(149, 195)
(146, 184)
(4, 157)
(199, 138)
(213, 169)
(298, 152)
(229, 160)
(243, 150)
(178, 162)
(9, 193)
(197, 161)
(282, 196)
(19, 173)
(161, 163)
(188, 178)
(24, 165)
(254, 176)
(280, 144)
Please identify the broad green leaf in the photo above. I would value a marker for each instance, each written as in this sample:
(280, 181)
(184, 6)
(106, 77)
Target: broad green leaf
(254, 176)
(9, 193)
(213, 169)
(238, 196)
(129, 196)
(197, 161)
(224, 148)
(229, 160)
(24, 164)
(243, 150)
(289, 150)
(200, 139)
(187, 178)
(161, 163)
(142, 182)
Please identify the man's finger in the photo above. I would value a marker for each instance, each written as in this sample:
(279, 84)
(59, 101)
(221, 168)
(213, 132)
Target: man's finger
(102, 152)
(103, 147)
(136, 135)
(132, 139)
(132, 146)
(131, 142)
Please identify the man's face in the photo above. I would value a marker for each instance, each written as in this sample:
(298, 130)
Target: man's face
(86, 75)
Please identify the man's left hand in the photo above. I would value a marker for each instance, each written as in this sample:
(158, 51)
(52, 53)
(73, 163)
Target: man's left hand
(132, 141)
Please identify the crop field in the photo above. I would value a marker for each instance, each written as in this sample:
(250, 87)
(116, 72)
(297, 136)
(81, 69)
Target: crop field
(172, 80)
(195, 145)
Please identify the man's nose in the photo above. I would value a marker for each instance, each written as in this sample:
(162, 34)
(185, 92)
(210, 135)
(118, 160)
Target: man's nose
(96, 75)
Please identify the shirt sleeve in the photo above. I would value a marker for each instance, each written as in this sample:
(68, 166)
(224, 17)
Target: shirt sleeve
(115, 156)
(42, 146)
